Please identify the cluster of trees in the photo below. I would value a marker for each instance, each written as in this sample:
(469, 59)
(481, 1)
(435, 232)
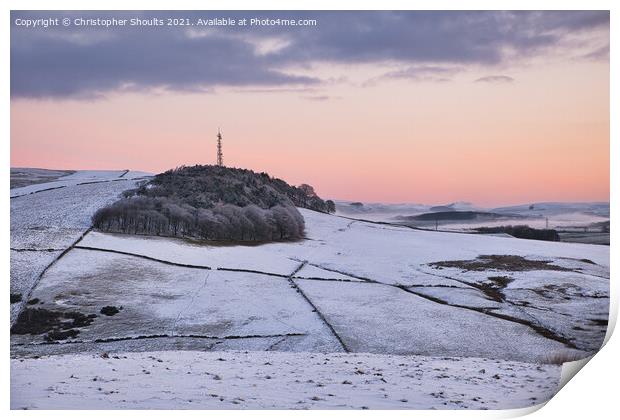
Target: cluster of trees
(213, 203)
(304, 196)
(524, 232)
(228, 222)
(203, 186)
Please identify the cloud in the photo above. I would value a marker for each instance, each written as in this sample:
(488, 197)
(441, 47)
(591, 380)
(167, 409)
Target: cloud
(275, 90)
(51, 66)
(598, 54)
(495, 79)
(420, 73)
(62, 62)
(454, 37)
(318, 98)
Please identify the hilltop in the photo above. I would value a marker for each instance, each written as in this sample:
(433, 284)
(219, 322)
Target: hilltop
(213, 203)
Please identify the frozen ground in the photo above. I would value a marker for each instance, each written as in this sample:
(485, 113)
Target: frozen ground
(393, 326)
(26, 266)
(273, 380)
(78, 178)
(350, 287)
(22, 177)
(45, 222)
(372, 286)
(164, 301)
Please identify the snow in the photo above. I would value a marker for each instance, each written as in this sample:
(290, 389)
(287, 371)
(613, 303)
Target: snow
(159, 299)
(467, 296)
(21, 177)
(559, 221)
(421, 278)
(571, 304)
(355, 251)
(94, 175)
(584, 266)
(273, 380)
(369, 286)
(56, 218)
(77, 178)
(292, 343)
(582, 284)
(137, 174)
(247, 257)
(45, 223)
(556, 215)
(581, 319)
(313, 272)
(577, 283)
(377, 318)
(26, 267)
(389, 255)
(554, 209)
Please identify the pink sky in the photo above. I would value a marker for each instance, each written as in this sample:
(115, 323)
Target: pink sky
(542, 137)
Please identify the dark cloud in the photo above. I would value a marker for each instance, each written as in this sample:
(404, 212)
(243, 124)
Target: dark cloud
(56, 65)
(86, 62)
(495, 79)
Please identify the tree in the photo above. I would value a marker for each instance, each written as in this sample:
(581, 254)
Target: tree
(308, 190)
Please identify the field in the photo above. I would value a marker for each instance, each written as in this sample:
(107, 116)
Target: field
(431, 319)
(575, 222)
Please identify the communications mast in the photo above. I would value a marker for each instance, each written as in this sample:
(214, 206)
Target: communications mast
(220, 157)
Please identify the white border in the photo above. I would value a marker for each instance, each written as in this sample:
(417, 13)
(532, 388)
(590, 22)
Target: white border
(592, 394)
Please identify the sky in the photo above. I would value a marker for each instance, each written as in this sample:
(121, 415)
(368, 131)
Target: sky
(493, 108)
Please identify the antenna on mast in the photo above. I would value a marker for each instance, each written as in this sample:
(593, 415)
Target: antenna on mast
(220, 156)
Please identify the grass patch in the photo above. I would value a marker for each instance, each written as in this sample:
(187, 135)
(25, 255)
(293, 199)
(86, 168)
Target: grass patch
(500, 281)
(36, 321)
(109, 310)
(499, 262)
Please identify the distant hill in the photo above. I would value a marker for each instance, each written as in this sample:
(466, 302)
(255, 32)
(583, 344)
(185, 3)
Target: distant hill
(600, 209)
(457, 206)
(22, 177)
(453, 215)
(213, 203)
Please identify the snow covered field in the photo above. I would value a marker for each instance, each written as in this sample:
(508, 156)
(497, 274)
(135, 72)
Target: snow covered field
(79, 178)
(433, 309)
(169, 301)
(273, 380)
(45, 222)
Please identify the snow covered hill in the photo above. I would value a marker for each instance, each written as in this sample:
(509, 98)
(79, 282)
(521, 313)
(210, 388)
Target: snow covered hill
(47, 218)
(80, 178)
(448, 306)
